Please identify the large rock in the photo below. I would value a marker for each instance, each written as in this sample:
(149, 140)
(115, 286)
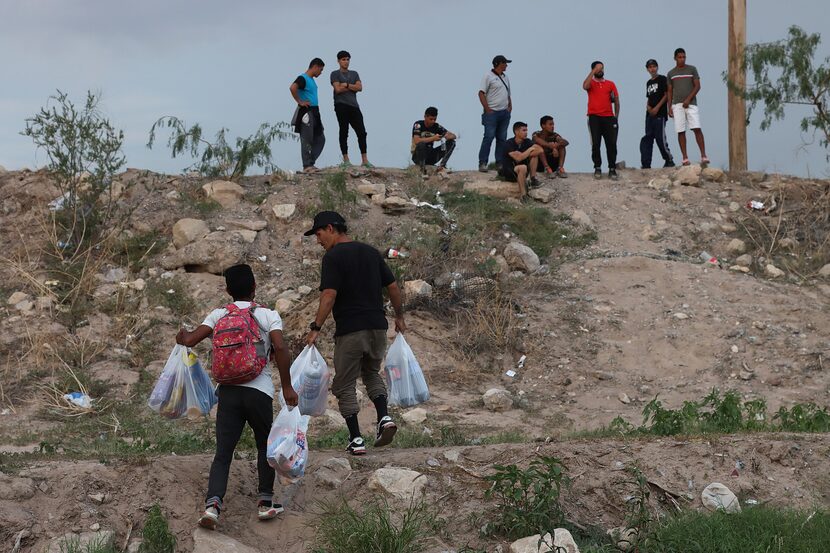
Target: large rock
(688, 175)
(773, 271)
(370, 189)
(18, 297)
(186, 231)
(544, 195)
(213, 254)
(87, 541)
(521, 257)
(207, 541)
(226, 193)
(497, 399)
(713, 174)
(333, 472)
(283, 212)
(413, 289)
(415, 416)
(562, 542)
(493, 188)
(824, 271)
(716, 496)
(395, 205)
(399, 483)
(16, 489)
(736, 246)
(580, 217)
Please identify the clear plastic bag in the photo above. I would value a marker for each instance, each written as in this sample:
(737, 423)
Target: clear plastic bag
(310, 378)
(407, 385)
(287, 449)
(184, 388)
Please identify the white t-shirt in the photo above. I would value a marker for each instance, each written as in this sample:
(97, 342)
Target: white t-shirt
(269, 320)
(496, 91)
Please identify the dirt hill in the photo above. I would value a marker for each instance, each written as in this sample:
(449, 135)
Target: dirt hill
(615, 303)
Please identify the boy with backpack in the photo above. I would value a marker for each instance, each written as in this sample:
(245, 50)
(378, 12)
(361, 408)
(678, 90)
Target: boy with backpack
(244, 335)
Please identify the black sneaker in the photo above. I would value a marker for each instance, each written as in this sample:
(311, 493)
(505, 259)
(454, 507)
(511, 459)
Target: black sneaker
(612, 174)
(668, 164)
(357, 446)
(534, 182)
(597, 174)
(386, 431)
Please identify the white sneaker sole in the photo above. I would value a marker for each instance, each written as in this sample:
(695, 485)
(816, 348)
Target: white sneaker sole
(387, 434)
(208, 521)
(270, 513)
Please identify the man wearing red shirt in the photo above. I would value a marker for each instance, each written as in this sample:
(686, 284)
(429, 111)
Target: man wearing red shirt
(603, 110)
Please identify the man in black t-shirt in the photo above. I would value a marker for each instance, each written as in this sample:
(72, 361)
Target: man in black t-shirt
(521, 159)
(656, 114)
(425, 133)
(352, 279)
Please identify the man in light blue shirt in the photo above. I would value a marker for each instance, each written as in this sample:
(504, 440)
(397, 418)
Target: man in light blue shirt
(306, 120)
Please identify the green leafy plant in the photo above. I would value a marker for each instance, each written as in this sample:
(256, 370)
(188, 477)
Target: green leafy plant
(527, 501)
(376, 528)
(335, 195)
(784, 74)
(156, 535)
(219, 158)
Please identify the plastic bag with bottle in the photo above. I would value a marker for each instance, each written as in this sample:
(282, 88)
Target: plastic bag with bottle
(184, 388)
(310, 378)
(407, 385)
(287, 448)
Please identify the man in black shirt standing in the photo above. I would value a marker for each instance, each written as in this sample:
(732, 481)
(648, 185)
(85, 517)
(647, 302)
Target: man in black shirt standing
(521, 159)
(425, 133)
(656, 116)
(352, 279)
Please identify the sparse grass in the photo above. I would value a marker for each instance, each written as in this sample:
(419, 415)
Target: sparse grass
(133, 252)
(73, 545)
(753, 530)
(723, 414)
(376, 528)
(540, 229)
(408, 438)
(335, 194)
(194, 199)
(173, 293)
(156, 535)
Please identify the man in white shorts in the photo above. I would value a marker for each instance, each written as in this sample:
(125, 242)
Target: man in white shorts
(684, 84)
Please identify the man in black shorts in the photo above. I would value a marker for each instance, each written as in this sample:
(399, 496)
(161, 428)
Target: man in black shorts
(554, 146)
(427, 132)
(352, 278)
(521, 159)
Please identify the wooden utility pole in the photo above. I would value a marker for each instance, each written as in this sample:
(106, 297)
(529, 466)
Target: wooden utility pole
(737, 75)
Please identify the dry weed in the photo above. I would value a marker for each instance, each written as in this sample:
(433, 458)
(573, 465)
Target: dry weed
(486, 326)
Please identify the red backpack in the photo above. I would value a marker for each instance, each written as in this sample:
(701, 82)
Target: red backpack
(239, 353)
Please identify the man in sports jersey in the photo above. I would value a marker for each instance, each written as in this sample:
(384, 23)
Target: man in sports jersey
(425, 134)
(306, 120)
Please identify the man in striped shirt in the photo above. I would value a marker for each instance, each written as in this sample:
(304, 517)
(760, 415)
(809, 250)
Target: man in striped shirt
(684, 84)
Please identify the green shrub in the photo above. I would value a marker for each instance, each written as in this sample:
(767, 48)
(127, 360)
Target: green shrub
(527, 501)
(156, 536)
(375, 528)
(335, 195)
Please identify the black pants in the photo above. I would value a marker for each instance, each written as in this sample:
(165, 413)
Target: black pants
(655, 132)
(604, 128)
(553, 162)
(426, 154)
(312, 136)
(238, 405)
(346, 116)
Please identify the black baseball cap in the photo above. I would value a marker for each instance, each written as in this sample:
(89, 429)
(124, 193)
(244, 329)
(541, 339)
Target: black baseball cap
(500, 59)
(323, 219)
(652, 62)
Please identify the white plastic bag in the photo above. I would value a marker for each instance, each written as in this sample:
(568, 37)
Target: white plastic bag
(407, 385)
(310, 378)
(184, 388)
(287, 449)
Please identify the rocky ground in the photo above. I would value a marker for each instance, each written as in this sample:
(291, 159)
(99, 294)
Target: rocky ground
(592, 331)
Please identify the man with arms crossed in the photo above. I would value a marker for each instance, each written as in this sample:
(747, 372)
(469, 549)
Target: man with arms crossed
(602, 119)
(684, 84)
(494, 95)
(554, 146)
(352, 278)
(347, 84)
(521, 159)
(656, 115)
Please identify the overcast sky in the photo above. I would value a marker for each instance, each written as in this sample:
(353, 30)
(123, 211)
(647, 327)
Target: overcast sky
(222, 63)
